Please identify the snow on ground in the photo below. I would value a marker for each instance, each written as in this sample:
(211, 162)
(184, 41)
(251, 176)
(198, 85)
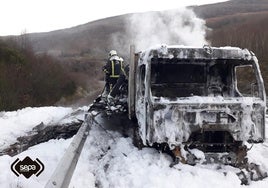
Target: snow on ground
(48, 153)
(110, 160)
(115, 162)
(18, 123)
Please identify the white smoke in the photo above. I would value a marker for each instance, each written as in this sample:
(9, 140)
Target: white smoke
(173, 27)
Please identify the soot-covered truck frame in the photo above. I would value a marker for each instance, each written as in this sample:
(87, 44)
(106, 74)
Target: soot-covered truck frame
(188, 97)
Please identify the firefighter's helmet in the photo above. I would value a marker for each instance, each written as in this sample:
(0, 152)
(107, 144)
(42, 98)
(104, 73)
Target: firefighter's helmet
(112, 53)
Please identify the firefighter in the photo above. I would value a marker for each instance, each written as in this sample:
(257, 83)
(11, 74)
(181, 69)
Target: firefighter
(123, 79)
(112, 70)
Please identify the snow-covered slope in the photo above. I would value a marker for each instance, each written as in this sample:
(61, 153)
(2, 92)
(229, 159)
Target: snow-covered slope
(110, 160)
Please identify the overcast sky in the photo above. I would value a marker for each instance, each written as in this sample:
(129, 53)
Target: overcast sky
(17, 16)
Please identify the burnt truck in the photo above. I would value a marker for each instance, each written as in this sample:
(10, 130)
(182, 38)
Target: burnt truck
(207, 98)
(198, 104)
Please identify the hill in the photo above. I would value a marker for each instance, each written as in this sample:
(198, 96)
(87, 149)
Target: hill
(30, 80)
(241, 23)
(84, 48)
(230, 7)
(96, 38)
(79, 39)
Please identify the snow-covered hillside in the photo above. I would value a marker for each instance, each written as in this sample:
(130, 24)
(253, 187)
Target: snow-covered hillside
(108, 159)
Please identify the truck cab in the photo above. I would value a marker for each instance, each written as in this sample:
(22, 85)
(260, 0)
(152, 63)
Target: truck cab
(198, 97)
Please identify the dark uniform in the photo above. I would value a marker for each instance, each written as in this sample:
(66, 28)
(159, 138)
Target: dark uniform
(112, 69)
(123, 78)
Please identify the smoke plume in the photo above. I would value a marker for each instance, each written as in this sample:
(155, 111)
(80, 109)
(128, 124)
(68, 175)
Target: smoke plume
(173, 27)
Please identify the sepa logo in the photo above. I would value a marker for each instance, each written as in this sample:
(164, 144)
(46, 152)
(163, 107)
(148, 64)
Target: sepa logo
(27, 167)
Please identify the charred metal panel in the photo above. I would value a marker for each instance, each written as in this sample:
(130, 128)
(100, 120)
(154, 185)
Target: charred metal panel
(194, 90)
(183, 52)
(131, 85)
(178, 121)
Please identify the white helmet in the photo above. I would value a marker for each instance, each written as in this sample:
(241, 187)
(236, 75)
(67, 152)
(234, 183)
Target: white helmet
(112, 53)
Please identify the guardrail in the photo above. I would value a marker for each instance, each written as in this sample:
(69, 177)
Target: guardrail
(64, 171)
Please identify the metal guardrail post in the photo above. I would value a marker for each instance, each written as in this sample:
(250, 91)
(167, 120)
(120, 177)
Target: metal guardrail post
(64, 171)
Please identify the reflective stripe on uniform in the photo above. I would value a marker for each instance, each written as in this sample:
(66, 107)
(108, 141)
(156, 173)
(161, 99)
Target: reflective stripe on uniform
(113, 75)
(122, 68)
